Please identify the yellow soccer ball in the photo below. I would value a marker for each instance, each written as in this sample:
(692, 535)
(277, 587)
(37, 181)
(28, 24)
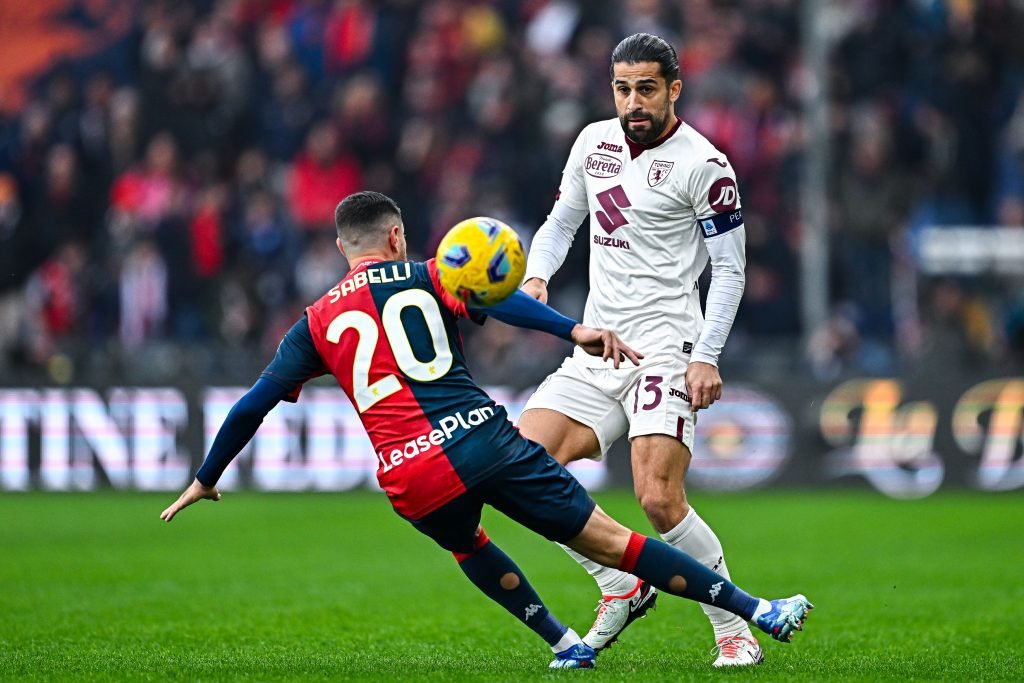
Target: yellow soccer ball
(481, 261)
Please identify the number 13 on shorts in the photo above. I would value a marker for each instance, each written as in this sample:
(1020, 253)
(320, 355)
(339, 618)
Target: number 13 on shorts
(660, 407)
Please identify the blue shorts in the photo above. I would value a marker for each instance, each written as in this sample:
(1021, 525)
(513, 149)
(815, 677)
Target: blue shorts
(531, 488)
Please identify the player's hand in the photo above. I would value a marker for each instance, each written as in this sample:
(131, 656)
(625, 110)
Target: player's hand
(536, 288)
(703, 384)
(604, 343)
(192, 494)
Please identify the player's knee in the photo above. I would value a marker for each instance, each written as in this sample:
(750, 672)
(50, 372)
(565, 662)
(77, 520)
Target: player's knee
(563, 455)
(665, 511)
(559, 448)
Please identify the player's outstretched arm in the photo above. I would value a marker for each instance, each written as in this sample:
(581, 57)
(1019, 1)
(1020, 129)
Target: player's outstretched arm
(604, 343)
(522, 310)
(295, 362)
(238, 428)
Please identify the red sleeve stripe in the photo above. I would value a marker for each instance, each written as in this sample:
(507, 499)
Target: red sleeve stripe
(457, 308)
(632, 554)
(480, 542)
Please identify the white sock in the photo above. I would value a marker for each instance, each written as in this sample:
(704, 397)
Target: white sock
(696, 539)
(610, 581)
(568, 640)
(763, 607)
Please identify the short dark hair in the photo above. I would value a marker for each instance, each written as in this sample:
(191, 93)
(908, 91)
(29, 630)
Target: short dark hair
(362, 217)
(644, 47)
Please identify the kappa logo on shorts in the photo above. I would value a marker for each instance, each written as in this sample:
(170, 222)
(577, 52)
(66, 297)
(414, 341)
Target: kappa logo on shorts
(659, 171)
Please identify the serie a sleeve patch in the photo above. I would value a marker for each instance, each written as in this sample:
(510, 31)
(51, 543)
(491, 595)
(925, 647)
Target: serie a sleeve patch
(721, 223)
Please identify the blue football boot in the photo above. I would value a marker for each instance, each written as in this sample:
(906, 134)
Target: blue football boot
(579, 656)
(785, 617)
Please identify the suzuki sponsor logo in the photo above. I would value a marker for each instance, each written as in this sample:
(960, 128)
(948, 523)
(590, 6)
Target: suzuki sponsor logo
(602, 166)
(611, 242)
(723, 195)
(447, 426)
(610, 147)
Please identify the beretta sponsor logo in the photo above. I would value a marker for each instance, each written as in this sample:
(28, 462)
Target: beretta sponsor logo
(602, 165)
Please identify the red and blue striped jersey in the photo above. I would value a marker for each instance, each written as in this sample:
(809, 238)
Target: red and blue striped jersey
(388, 333)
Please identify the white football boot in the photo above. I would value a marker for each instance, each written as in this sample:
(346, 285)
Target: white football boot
(616, 612)
(738, 650)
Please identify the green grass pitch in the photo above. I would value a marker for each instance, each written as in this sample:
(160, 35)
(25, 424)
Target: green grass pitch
(317, 586)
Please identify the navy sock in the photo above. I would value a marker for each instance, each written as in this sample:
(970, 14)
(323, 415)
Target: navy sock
(673, 571)
(494, 572)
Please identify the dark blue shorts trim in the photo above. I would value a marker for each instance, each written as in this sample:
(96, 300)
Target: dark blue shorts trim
(531, 489)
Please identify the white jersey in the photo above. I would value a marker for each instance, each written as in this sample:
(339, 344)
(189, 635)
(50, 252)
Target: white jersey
(655, 212)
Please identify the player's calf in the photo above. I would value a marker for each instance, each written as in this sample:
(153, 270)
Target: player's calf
(673, 571)
(499, 578)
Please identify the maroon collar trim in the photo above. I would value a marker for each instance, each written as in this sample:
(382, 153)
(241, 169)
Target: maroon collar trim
(638, 148)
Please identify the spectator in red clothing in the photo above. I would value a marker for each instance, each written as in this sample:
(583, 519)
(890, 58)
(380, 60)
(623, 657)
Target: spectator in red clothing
(54, 298)
(321, 173)
(153, 190)
(206, 232)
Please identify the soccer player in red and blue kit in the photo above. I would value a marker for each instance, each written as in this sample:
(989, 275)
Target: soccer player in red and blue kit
(388, 333)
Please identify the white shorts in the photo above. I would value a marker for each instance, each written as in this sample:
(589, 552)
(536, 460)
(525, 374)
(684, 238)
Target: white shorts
(647, 399)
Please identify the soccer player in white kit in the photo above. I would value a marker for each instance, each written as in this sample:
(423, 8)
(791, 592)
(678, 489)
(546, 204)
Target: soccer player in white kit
(662, 201)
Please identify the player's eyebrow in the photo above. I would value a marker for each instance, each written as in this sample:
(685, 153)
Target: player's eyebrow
(642, 81)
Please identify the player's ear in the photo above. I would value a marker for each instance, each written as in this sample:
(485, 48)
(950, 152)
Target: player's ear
(395, 238)
(340, 248)
(674, 89)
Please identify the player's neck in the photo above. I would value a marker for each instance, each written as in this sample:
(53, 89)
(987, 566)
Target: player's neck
(369, 258)
(670, 125)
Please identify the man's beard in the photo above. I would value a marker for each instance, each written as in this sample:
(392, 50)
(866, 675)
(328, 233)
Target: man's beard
(648, 135)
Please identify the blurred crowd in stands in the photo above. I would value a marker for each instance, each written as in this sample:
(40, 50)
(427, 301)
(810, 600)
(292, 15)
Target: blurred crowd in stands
(176, 189)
